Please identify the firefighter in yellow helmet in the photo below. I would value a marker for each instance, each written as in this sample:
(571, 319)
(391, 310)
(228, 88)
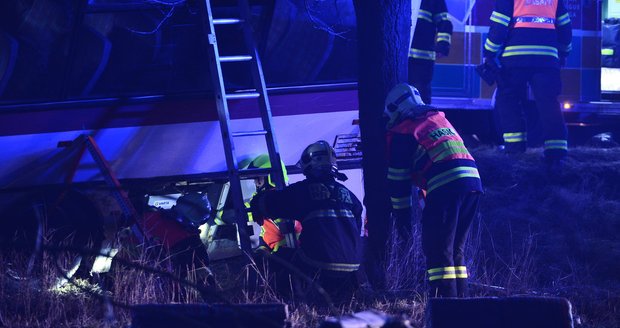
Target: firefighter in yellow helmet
(330, 244)
(272, 230)
(424, 149)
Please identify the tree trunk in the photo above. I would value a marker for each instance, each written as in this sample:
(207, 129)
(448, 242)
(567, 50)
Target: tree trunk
(383, 29)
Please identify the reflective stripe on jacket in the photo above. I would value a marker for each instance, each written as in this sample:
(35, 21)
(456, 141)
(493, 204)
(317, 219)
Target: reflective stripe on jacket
(433, 26)
(331, 218)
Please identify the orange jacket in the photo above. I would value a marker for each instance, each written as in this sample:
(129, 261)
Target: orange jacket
(271, 236)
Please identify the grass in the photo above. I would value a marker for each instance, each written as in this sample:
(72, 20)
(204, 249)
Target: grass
(537, 235)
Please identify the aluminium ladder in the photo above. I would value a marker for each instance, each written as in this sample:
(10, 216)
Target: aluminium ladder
(222, 97)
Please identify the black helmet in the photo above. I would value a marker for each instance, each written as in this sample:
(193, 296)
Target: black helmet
(318, 160)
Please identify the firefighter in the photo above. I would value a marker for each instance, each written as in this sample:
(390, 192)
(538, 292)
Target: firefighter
(425, 149)
(431, 39)
(330, 245)
(272, 233)
(532, 40)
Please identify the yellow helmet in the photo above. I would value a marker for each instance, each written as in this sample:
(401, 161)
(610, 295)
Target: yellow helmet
(403, 101)
(318, 160)
(262, 162)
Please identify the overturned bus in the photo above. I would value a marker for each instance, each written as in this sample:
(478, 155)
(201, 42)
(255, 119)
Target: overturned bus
(134, 76)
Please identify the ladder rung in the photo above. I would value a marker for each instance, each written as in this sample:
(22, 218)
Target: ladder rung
(249, 133)
(227, 21)
(229, 59)
(253, 173)
(243, 95)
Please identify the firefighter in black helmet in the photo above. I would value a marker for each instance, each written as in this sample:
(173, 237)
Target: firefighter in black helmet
(330, 245)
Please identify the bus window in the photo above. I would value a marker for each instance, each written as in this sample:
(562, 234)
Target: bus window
(610, 50)
(34, 45)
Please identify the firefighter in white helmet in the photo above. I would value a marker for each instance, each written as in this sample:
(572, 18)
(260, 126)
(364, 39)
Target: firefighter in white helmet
(425, 149)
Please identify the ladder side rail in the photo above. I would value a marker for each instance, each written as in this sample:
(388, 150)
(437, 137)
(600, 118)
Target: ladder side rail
(258, 78)
(263, 100)
(224, 119)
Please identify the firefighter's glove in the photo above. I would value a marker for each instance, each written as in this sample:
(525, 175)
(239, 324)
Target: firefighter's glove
(442, 48)
(488, 71)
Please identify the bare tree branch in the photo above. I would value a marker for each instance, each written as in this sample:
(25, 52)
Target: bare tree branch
(320, 24)
(173, 5)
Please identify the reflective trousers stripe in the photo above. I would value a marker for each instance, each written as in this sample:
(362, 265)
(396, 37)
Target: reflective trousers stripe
(556, 144)
(515, 137)
(450, 272)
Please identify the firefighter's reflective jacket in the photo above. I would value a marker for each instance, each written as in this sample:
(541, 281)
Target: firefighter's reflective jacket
(529, 33)
(429, 151)
(331, 218)
(271, 236)
(433, 31)
(272, 231)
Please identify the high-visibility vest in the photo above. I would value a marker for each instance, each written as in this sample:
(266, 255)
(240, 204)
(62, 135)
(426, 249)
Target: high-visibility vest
(439, 142)
(534, 13)
(435, 133)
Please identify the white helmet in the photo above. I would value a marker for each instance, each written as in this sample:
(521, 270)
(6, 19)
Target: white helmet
(403, 101)
(318, 160)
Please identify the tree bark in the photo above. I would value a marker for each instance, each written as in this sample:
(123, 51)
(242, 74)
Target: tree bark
(383, 29)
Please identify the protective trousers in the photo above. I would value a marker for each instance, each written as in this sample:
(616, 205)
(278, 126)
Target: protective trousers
(446, 220)
(545, 84)
(420, 76)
